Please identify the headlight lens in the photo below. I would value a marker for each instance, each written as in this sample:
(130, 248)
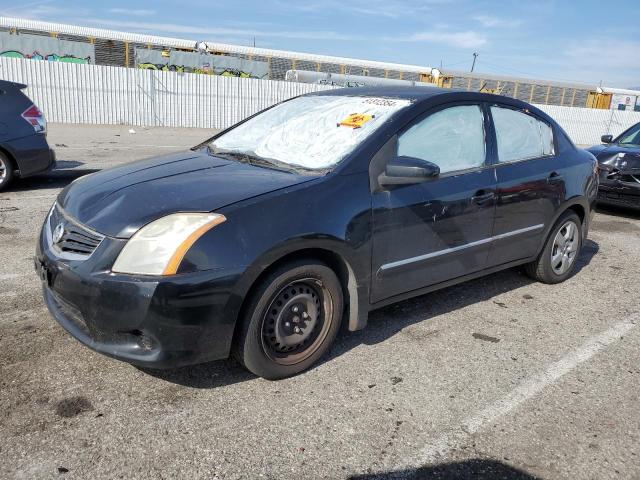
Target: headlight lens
(159, 247)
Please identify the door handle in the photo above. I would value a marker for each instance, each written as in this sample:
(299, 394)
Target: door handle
(482, 196)
(555, 177)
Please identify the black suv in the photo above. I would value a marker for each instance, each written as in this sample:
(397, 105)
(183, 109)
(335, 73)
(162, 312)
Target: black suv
(24, 149)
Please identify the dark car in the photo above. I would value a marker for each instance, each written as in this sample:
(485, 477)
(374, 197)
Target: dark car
(262, 239)
(24, 149)
(619, 161)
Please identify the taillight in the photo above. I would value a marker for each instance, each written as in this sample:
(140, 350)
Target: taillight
(35, 118)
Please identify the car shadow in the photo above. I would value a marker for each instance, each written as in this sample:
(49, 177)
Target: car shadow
(389, 321)
(383, 324)
(53, 179)
(614, 211)
(205, 375)
(476, 468)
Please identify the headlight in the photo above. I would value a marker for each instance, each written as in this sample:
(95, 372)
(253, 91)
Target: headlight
(159, 247)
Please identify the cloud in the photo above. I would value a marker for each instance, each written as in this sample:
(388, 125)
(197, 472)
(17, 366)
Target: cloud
(615, 59)
(610, 53)
(466, 39)
(389, 9)
(490, 21)
(41, 10)
(136, 12)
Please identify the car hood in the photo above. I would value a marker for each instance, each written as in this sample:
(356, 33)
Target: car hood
(616, 153)
(118, 201)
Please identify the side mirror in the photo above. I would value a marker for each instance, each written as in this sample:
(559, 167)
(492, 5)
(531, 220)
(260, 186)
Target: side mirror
(407, 170)
(606, 138)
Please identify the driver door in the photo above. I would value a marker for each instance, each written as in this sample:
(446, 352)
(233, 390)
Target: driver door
(439, 229)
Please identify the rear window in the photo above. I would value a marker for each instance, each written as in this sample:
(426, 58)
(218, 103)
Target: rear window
(520, 136)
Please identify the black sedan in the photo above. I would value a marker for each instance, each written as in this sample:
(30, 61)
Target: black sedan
(619, 161)
(24, 149)
(263, 240)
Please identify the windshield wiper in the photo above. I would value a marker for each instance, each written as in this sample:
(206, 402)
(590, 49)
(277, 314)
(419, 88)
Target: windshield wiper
(257, 160)
(253, 160)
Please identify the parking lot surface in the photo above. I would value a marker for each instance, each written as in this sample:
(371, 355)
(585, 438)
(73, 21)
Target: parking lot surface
(500, 377)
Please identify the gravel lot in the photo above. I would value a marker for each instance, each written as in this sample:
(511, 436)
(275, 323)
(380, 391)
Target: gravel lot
(495, 378)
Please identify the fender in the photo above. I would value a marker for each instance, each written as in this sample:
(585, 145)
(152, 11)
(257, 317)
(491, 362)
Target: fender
(355, 275)
(566, 205)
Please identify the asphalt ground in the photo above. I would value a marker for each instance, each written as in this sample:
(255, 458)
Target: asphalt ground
(499, 377)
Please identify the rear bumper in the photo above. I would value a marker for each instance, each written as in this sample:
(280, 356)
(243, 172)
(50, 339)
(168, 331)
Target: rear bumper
(32, 154)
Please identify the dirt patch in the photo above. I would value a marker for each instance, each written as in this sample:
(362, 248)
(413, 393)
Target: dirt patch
(486, 338)
(73, 406)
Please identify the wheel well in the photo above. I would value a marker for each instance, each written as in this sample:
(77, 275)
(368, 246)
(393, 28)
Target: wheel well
(334, 261)
(9, 157)
(579, 209)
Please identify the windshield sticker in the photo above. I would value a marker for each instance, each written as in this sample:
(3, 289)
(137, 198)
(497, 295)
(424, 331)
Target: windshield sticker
(383, 102)
(355, 120)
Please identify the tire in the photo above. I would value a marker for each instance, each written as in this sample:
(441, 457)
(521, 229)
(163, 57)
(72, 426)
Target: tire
(558, 259)
(6, 171)
(291, 320)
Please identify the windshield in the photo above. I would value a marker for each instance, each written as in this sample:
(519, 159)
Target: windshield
(313, 132)
(631, 136)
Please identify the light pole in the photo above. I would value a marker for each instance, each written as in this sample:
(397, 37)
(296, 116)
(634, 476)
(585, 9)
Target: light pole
(475, 55)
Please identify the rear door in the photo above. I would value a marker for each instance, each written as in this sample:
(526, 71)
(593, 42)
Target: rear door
(531, 185)
(430, 232)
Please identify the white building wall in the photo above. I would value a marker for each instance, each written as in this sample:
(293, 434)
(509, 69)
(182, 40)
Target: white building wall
(97, 94)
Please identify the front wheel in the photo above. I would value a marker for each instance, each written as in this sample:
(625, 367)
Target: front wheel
(558, 258)
(291, 320)
(6, 171)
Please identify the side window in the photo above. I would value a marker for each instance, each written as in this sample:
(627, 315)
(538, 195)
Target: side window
(631, 136)
(452, 138)
(520, 136)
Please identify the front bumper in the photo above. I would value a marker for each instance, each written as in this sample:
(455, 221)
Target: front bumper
(618, 193)
(157, 322)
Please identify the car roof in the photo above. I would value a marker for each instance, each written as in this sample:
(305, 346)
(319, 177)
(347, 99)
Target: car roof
(409, 93)
(7, 83)
(434, 95)
(419, 94)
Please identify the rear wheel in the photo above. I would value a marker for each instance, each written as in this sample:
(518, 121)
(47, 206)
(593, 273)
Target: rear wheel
(6, 171)
(558, 258)
(291, 320)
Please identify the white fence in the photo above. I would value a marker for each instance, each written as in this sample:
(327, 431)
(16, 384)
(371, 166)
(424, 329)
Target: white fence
(585, 126)
(96, 94)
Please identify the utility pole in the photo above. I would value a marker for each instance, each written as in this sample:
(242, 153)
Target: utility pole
(475, 55)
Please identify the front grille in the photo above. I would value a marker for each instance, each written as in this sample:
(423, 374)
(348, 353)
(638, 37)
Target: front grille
(76, 238)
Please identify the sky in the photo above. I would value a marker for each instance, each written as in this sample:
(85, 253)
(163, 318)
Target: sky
(576, 41)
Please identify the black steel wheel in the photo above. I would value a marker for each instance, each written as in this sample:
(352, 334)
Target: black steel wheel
(291, 320)
(295, 324)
